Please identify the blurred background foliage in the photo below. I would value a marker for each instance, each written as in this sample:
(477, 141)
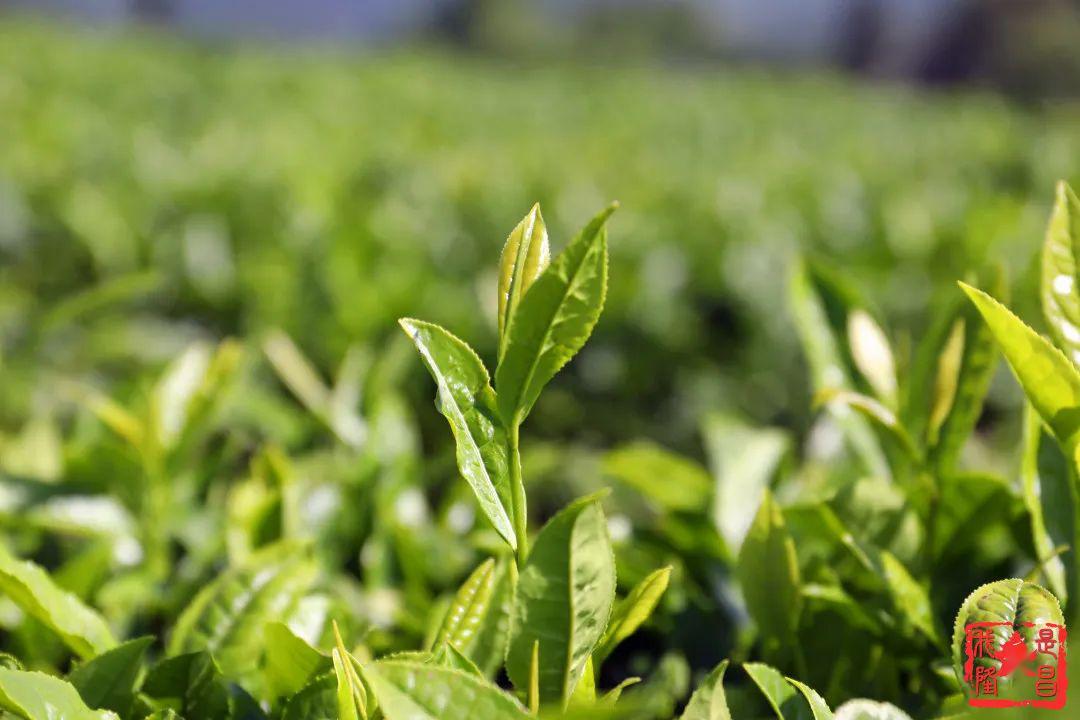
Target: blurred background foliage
(159, 196)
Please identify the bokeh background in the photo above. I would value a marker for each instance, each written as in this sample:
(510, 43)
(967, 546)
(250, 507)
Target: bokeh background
(299, 174)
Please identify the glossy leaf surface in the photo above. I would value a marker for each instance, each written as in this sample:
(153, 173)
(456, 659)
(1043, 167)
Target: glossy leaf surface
(463, 397)
(564, 598)
(553, 320)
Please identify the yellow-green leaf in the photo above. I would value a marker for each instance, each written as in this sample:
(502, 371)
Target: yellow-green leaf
(1050, 381)
(526, 254)
(1060, 294)
(28, 585)
(632, 611)
(408, 690)
(553, 320)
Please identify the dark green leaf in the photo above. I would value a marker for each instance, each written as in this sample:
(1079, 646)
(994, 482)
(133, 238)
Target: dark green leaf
(107, 682)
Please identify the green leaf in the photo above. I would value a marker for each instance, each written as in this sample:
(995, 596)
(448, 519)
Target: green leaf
(909, 596)
(836, 599)
(947, 380)
(1012, 601)
(1050, 381)
(192, 683)
(872, 355)
(408, 690)
(553, 320)
(449, 656)
(782, 697)
(709, 701)
(564, 598)
(584, 694)
(1050, 497)
(315, 701)
(107, 682)
(478, 621)
(290, 662)
(743, 460)
(469, 607)
(526, 254)
(1059, 291)
(30, 587)
(464, 398)
(611, 698)
(879, 416)
(818, 707)
(671, 481)
(968, 361)
(351, 695)
(36, 696)
(228, 616)
(869, 710)
(828, 366)
(632, 611)
(768, 571)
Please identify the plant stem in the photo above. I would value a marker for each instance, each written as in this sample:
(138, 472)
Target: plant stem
(517, 490)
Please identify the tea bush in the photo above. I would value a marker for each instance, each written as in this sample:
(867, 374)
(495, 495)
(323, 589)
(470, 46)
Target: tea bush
(787, 394)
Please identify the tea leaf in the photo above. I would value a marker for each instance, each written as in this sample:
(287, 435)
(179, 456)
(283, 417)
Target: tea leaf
(228, 617)
(611, 698)
(743, 460)
(482, 455)
(828, 367)
(315, 701)
(709, 701)
(525, 255)
(671, 481)
(107, 682)
(30, 587)
(910, 597)
(1050, 498)
(1050, 381)
(409, 690)
(818, 706)
(553, 320)
(1059, 291)
(1013, 602)
(779, 693)
(564, 598)
(36, 696)
(975, 369)
(879, 416)
(478, 621)
(290, 662)
(632, 611)
(351, 695)
(768, 571)
(192, 683)
(469, 607)
(872, 355)
(448, 656)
